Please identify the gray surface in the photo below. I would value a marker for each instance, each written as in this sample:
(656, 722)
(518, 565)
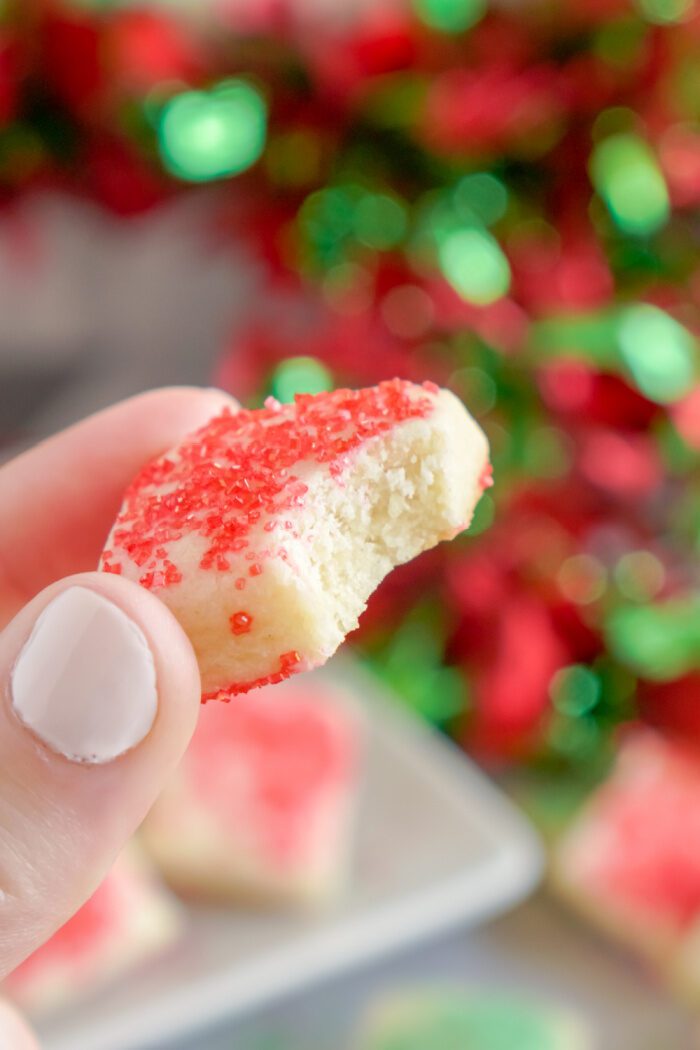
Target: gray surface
(538, 949)
(103, 311)
(94, 310)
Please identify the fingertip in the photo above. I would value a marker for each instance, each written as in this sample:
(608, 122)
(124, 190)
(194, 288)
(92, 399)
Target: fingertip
(183, 409)
(176, 670)
(99, 696)
(100, 670)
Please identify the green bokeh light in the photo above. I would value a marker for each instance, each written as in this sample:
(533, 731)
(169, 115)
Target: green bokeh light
(481, 195)
(300, 375)
(589, 336)
(475, 266)
(577, 739)
(209, 135)
(626, 174)
(450, 16)
(658, 351)
(615, 120)
(658, 642)
(326, 218)
(380, 221)
(413, 665)
(664, 12)
(575, 690)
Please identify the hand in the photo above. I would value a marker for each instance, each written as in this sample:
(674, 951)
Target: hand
(99, 687)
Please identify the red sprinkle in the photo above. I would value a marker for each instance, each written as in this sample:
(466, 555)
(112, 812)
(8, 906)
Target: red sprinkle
(241, 622)
(272, 765)
(486, 479)
(234, 480)
(289, 663)
(239, 468)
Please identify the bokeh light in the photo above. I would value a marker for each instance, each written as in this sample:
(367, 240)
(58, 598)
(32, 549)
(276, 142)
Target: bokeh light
(300, 375)
(207, 135)
(626, 174)
(326, 221)
(575, 738)
(481, 196)
(659, 352)
(664, 12)
(639, 575)
(379, 220)
(450, 16)
(348, 287)
(575, 690)
(582, 579)
(474, 264)
(659, 642)
(408, 311)
(338, 218)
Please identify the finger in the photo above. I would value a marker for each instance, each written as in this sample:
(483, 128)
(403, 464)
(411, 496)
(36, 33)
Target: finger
(58, 501)
(14, 1032)
(99, 693)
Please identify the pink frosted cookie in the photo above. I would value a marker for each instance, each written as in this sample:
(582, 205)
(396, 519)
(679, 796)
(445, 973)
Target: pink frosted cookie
(262, 802)
(266, 531)
(128, 919)
(631, 860)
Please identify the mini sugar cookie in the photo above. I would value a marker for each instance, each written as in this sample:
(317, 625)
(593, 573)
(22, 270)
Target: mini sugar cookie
(262, 803)
(128, 920)
(266, 531)
(629, 860)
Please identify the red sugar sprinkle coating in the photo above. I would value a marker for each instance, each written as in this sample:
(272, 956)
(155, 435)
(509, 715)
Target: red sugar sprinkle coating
(237, 478)
(239, 467)
(289, 663)
(271, 764)
(486, 480)
(241, 622)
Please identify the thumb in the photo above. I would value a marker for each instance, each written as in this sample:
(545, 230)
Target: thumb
(14, 1033)
(99, 694)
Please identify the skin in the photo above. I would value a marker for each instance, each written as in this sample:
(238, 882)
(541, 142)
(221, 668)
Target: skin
(62, 823)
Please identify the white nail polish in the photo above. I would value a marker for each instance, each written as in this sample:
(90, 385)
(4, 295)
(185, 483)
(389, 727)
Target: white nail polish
(85, 681)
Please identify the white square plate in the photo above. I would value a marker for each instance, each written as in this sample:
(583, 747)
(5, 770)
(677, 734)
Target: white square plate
(437, 846)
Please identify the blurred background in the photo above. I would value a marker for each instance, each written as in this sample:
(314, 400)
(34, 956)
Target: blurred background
(277, 196)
